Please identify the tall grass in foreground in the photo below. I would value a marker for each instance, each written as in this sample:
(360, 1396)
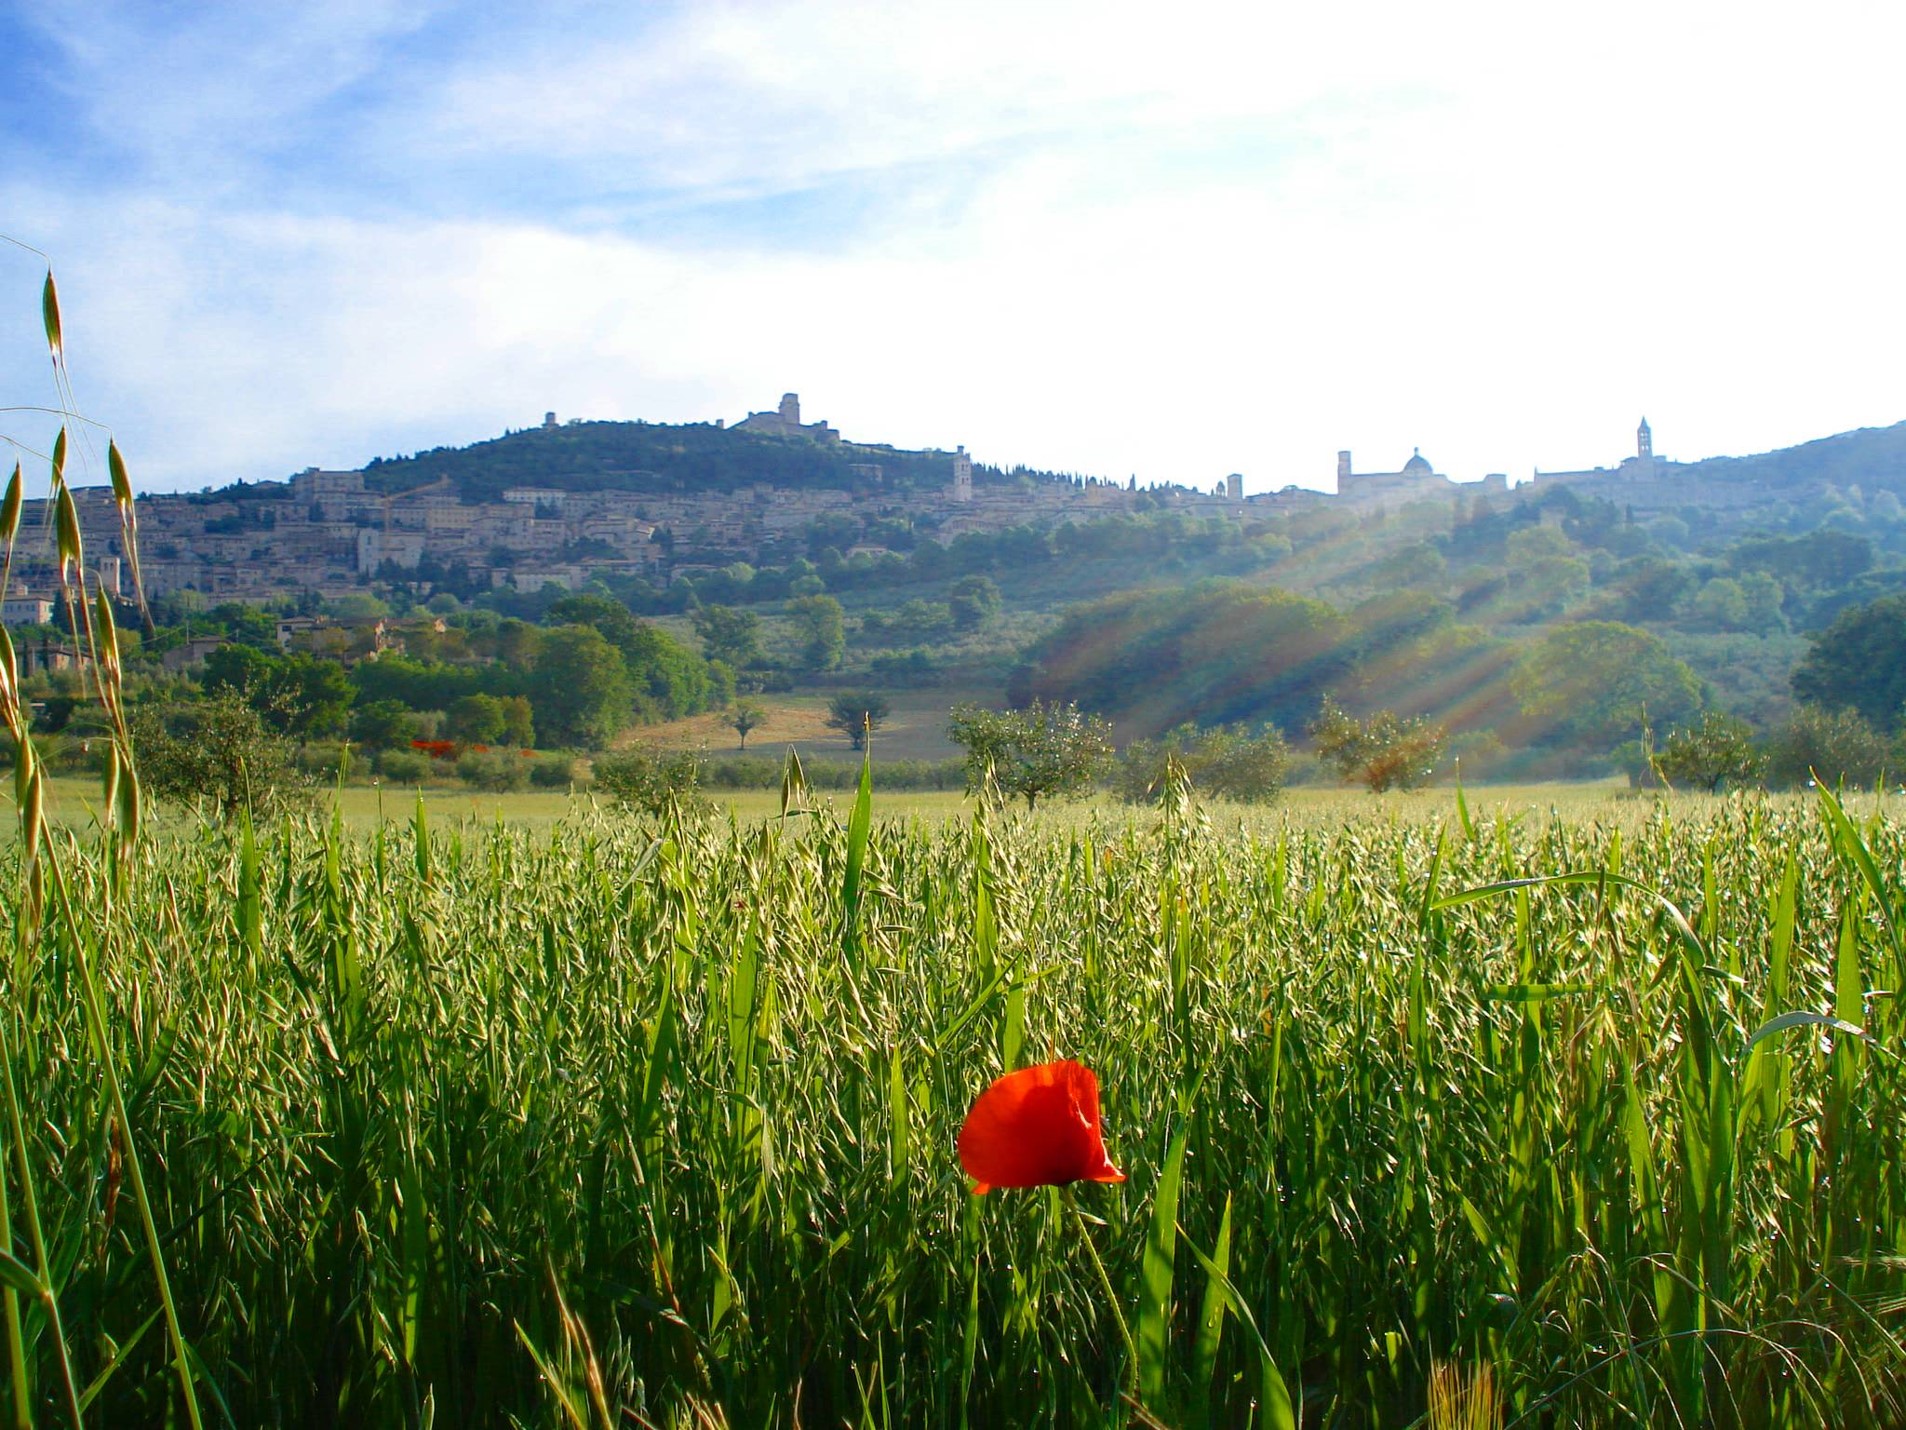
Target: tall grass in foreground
(654, 1125)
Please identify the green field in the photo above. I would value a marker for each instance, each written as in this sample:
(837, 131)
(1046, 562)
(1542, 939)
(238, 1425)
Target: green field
(72, 800)
(562, 1118)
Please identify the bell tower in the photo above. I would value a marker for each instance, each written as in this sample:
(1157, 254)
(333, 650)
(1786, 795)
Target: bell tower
(1644, 442)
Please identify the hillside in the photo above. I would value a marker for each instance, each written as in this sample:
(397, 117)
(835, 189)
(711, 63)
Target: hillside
(1872, 458)
(1672, 587)
(1839, 481)
(658, 458)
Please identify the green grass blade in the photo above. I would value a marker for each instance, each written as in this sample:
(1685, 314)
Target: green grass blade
(1155, 1276)
(18, 1276)
(1204, 1351)
(898, 1136)
(859, 825)
(115, 1360)
(1274, 1396)
(1774, 1027)
(250, 912)
(1852, 848)
(420, 832)
(969, 1350)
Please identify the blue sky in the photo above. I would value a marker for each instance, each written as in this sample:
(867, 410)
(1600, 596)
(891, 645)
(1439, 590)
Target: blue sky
(1113, 238)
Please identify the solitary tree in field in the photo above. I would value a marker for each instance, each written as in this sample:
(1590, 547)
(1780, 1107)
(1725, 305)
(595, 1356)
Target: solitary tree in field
(1708, 755)
(854, 715)
(217, 749)
(1228, 761)
(657, 782)
(746, 716)
(1383, 752)
(1039, 752)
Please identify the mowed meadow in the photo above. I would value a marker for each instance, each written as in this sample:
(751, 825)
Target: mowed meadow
(1451, 1119)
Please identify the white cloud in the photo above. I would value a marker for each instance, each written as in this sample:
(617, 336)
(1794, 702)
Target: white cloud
(187, 89)
(1087, 239)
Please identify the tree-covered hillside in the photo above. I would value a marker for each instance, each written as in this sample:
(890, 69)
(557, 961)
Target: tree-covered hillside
(1871, 458)
(659, 458)
(1555, 629)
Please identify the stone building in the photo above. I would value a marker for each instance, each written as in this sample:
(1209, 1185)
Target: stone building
(24, 610)
(1647, 485)
(785, 421)
(1642, 467)
(335, 496)
(1417, 481)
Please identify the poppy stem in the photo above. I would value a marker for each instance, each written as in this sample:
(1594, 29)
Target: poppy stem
(1111, 1296)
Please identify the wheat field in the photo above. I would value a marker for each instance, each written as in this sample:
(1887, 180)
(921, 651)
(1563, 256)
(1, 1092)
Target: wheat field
(1450, 1120)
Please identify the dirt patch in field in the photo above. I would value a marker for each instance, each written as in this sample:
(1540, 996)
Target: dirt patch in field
(785, 725)
(915, 730)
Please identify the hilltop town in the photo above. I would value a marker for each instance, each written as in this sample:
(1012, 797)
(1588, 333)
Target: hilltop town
(563, 502)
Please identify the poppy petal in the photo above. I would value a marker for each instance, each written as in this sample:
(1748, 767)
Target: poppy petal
(1037, 1127)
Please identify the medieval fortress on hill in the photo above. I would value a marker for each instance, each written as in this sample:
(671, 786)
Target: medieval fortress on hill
(327, 531)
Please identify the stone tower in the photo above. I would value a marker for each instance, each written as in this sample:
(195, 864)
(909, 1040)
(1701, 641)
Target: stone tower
(1644, 450)
(1234, 486)
(962, 476)
(1343, 471)
(791, 408)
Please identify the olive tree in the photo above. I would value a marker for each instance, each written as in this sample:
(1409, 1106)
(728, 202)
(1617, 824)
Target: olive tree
(857, 714)
(1043, 751)
(1384, 752)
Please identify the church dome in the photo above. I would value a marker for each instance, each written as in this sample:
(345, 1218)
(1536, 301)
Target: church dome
(1416, 463)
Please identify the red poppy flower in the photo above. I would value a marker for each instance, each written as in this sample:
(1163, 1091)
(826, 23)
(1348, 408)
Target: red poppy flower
(1037, 1127)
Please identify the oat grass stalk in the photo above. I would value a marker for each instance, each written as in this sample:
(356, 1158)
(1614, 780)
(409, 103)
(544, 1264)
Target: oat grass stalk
(85, 955)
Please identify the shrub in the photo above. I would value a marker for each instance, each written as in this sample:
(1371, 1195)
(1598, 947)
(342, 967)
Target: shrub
(403, 767)
(653, 781)
(321, 759)
(1837, 746)
(764, 772)
(493, 769)
(1227, 761)
(1383, 752)
(552, 772)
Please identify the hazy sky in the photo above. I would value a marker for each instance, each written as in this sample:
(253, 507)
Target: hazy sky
(1171, 240)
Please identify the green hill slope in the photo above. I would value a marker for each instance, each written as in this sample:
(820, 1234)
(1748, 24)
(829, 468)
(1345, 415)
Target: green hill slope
(659, 458)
